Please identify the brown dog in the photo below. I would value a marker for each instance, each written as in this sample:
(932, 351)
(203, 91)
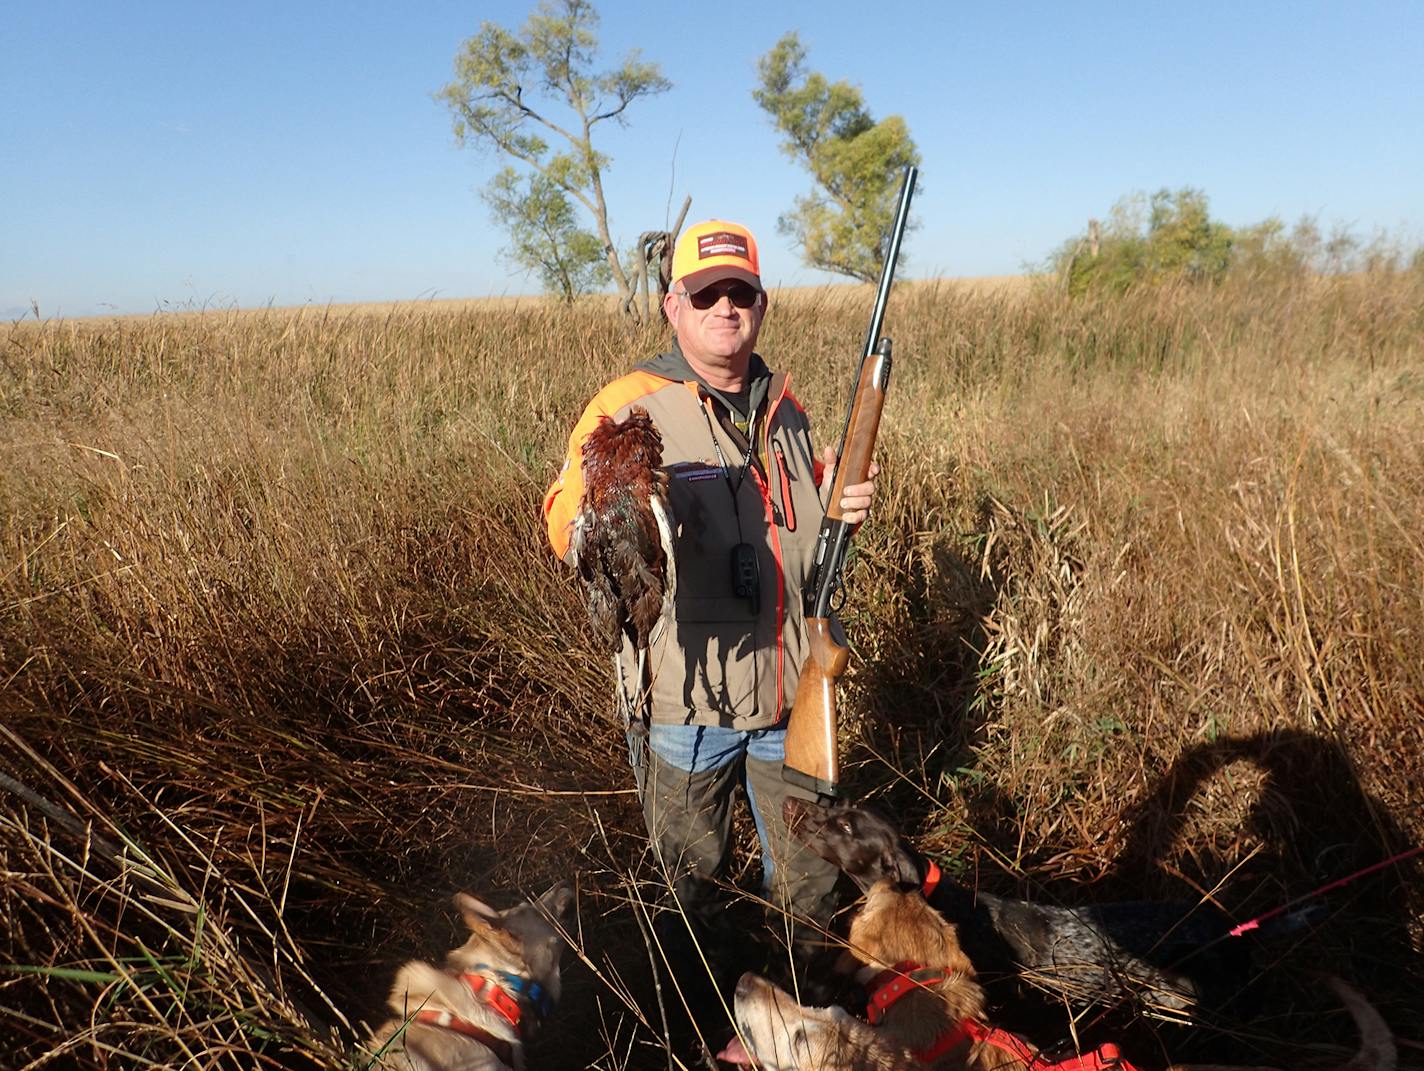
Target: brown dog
(925, 995)
(475, 1013)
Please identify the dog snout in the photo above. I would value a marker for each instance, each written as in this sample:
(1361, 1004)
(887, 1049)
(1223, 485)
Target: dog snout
(746, 984)
(752, 989)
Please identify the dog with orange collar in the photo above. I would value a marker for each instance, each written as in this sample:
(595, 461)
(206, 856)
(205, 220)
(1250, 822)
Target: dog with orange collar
(1161, 958)
(925, 996)
(476, 1012)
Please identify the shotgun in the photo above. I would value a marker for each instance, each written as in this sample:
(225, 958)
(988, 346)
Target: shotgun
(812, 758)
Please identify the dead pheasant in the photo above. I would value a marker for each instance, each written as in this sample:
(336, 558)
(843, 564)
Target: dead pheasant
(622, 539)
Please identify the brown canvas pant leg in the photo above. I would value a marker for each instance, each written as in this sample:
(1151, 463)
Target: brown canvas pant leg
(803, 885)
(689, 822)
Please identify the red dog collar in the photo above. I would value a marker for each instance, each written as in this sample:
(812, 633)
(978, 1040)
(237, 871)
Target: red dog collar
(485, 990)
(502, 1049)
(932, 876)
(890, 985)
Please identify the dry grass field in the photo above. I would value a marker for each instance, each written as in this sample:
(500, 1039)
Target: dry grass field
(284, 661)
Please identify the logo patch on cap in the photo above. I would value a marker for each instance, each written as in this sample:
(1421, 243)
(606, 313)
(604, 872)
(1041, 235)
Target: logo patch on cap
(721, 244)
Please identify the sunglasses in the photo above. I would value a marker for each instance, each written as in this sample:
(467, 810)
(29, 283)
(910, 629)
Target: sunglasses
(742, 295)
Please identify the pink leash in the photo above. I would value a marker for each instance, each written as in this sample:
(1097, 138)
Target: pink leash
(1247, 927)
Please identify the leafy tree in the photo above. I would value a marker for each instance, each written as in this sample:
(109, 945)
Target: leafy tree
(857, 163)
(1183, 239)
(513, 90)
(1169, 236)
(545, 234)
(1267, 249)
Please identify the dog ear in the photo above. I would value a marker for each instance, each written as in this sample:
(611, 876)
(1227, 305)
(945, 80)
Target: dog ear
(478, 915)
(893, 864)
(900, 865)
(557, 900)
(801, 1046)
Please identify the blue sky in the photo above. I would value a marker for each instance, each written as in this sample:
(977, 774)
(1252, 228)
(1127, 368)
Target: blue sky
(157, 155)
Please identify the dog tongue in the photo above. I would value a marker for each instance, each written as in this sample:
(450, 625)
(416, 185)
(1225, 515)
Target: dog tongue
(735, 1053)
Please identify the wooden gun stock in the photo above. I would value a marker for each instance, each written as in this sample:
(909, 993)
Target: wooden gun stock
(862, 426)
(812, 758)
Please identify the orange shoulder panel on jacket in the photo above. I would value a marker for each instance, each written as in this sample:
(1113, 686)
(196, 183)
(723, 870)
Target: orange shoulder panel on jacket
(791, 397)
(562, 499)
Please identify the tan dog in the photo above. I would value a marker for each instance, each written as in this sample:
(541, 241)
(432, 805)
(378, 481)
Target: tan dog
(775, 1033)
(475, 1013)
(924, 993)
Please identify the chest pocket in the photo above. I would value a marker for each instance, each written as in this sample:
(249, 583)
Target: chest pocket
(706, 523)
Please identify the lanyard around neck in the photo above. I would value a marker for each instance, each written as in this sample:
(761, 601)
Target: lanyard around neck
(722, 458)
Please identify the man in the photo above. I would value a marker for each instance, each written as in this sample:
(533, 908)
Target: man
(744, 492)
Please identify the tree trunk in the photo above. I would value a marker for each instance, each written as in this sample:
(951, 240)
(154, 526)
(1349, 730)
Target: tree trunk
(600, 217)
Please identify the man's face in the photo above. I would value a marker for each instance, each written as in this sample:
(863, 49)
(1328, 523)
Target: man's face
(716, 326)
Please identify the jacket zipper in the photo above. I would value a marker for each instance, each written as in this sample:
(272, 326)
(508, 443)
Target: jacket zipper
(774, 404)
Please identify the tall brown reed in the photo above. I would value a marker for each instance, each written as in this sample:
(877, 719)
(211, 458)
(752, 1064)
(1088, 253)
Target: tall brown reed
(1139, 612)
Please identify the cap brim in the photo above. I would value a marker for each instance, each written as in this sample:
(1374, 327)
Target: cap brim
(694, 281)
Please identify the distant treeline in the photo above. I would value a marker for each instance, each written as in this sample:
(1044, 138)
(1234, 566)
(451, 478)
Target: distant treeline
(1170, 236)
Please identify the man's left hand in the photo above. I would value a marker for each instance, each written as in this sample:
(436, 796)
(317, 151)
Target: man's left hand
(855, 499)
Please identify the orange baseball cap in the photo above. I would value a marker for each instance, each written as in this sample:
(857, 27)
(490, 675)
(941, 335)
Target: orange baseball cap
(709, 252)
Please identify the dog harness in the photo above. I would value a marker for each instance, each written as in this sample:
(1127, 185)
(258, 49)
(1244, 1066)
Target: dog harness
(526, 988)
(500, 1047)
(890, 985)
(486, 991)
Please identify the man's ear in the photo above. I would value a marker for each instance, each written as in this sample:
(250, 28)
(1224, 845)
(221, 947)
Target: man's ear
(670, 307)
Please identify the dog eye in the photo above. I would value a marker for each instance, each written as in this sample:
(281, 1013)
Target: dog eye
(844, 825)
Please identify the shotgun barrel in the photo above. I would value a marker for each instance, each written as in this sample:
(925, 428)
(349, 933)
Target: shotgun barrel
(812, 756)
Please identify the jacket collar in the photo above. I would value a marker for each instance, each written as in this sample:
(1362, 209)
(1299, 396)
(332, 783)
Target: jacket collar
(673, 365)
